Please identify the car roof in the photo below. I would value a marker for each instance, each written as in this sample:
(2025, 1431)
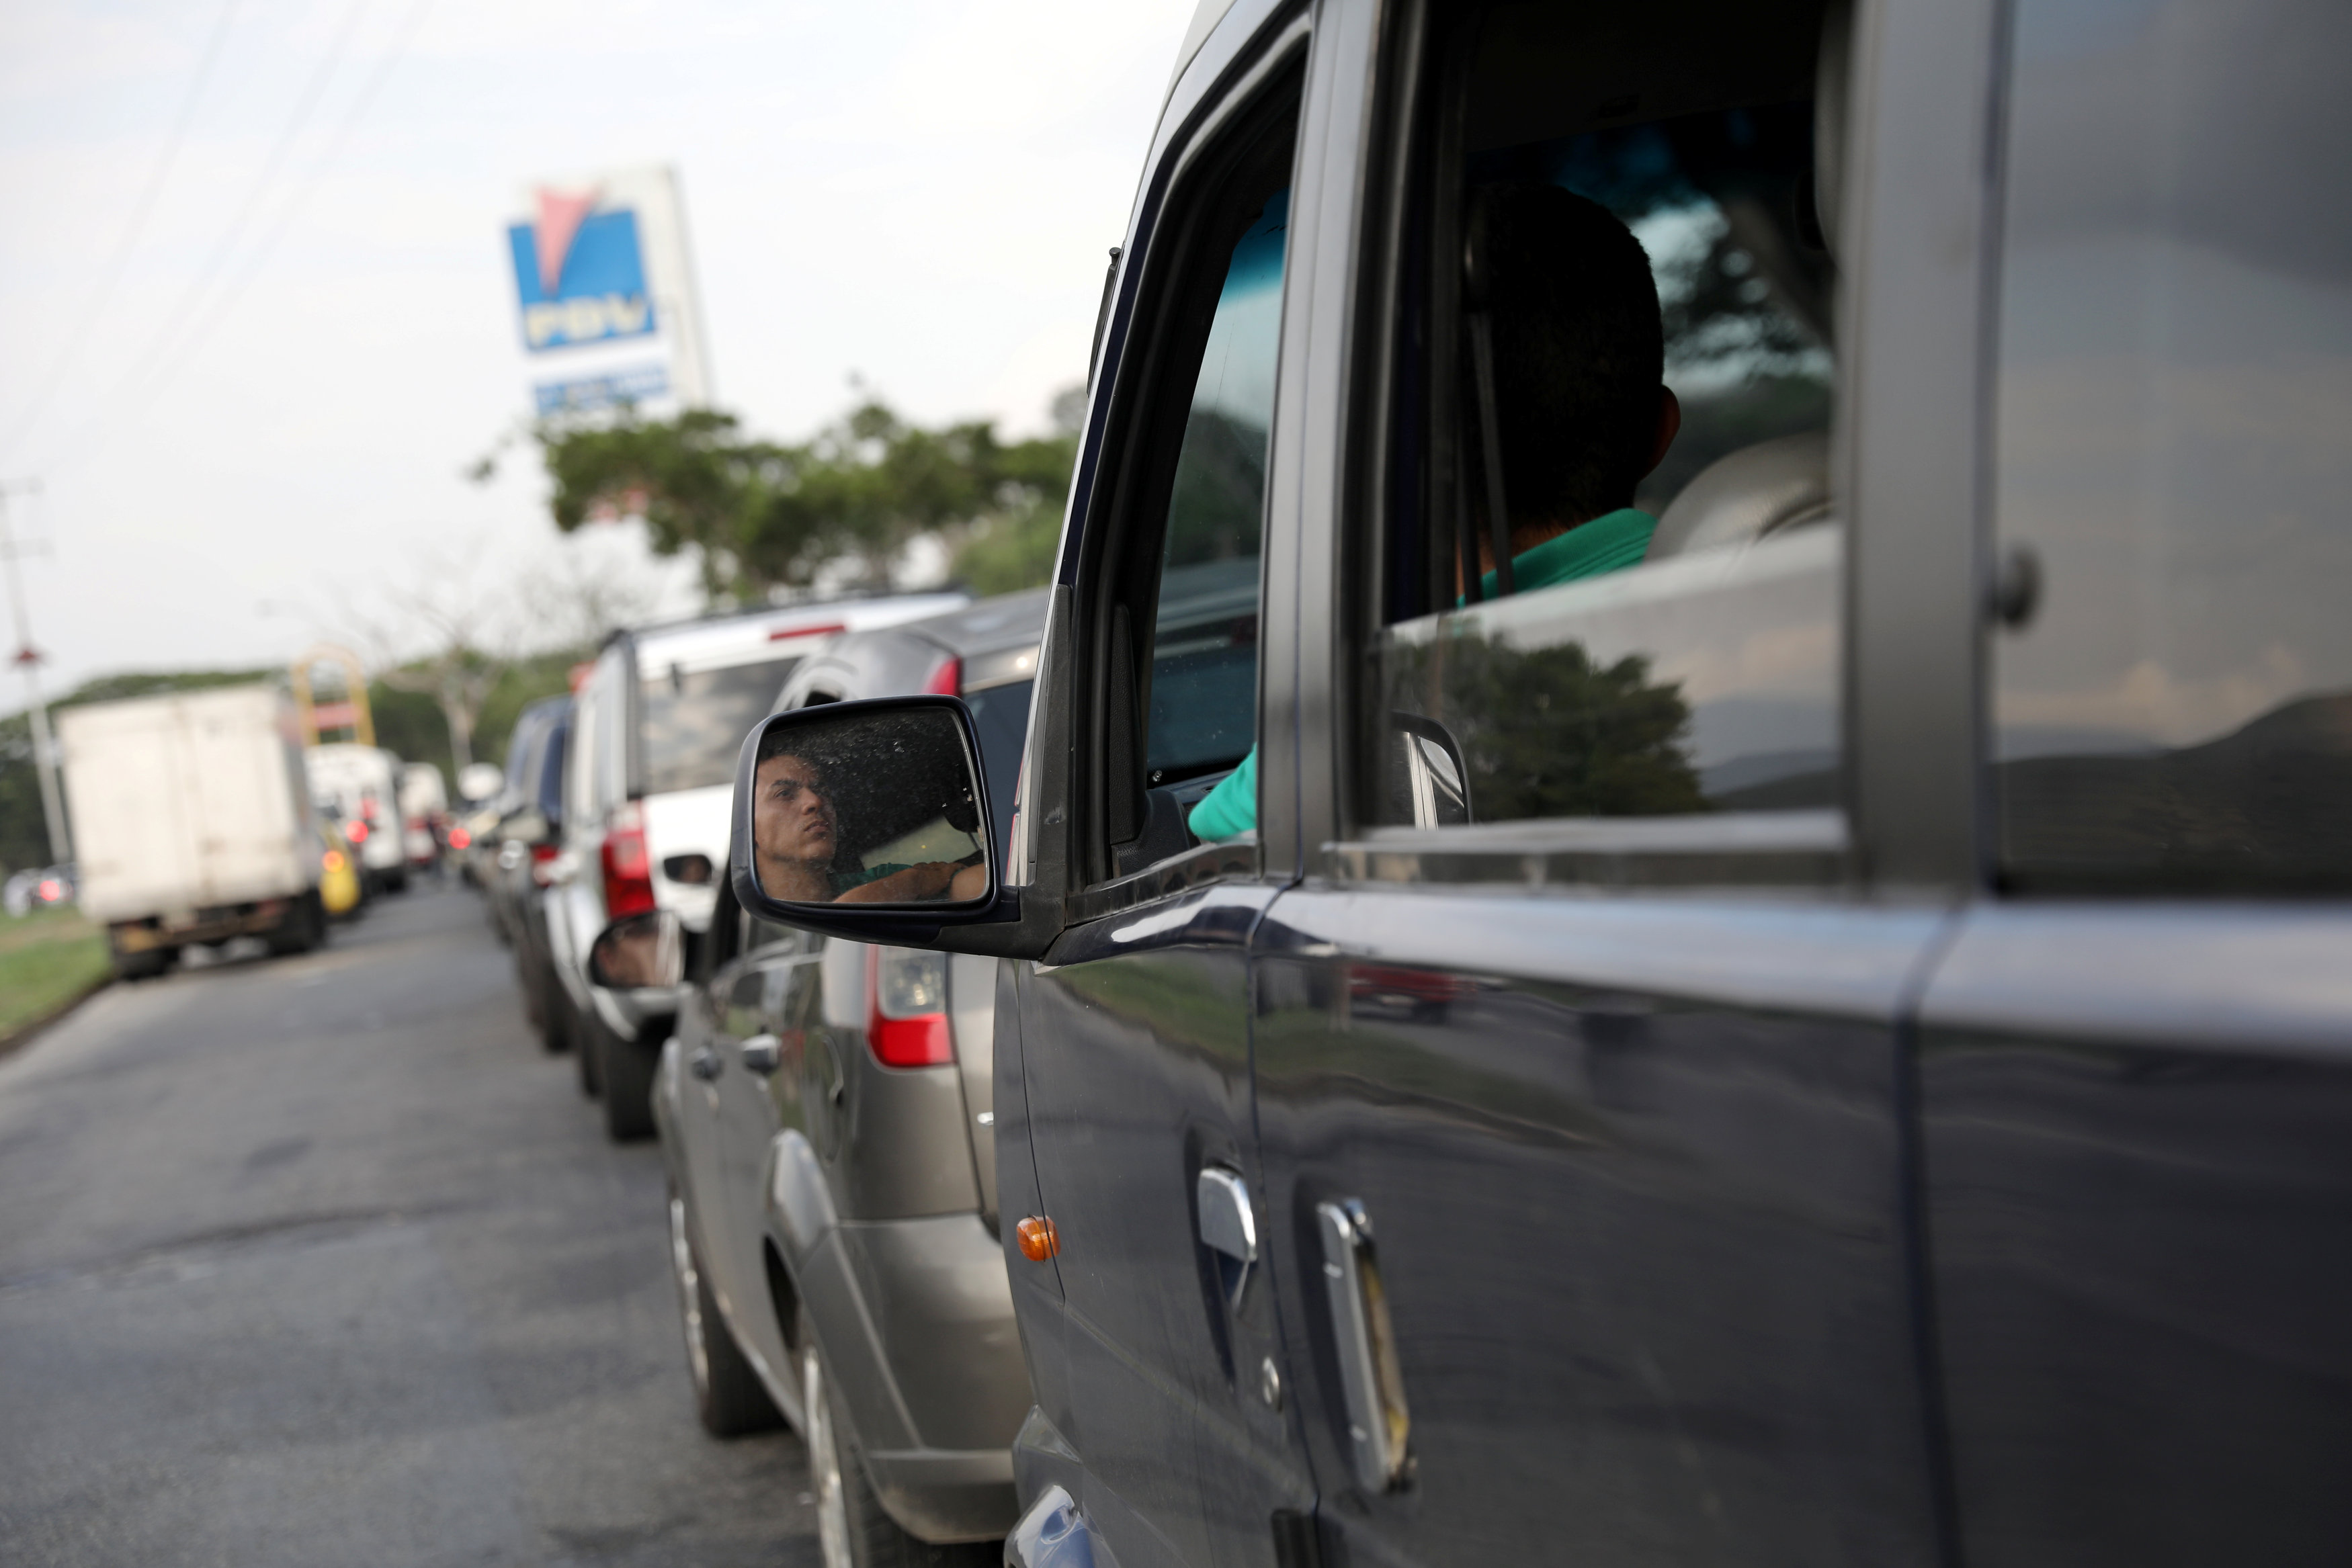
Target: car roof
(719, 641)
(996, 639)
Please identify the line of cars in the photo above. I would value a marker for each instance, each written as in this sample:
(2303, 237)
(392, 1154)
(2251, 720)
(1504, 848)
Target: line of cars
(833, 1208)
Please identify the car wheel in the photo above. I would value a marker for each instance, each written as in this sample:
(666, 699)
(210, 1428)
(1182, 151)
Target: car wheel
(852, 1530)
(534, 1005)
(553, 1032)
(587, 1045)
(728, 1397)
(627, 1075)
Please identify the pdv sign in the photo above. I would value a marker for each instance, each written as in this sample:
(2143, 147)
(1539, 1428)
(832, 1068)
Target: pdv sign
(580, 274)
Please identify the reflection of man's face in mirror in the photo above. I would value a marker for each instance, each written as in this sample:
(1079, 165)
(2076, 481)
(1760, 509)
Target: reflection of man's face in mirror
(630, 954)
(794, 829)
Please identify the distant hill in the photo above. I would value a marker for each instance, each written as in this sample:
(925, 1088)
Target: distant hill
(2264, 805)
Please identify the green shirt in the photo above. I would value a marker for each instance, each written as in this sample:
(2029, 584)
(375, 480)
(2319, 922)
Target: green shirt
(1610, 542)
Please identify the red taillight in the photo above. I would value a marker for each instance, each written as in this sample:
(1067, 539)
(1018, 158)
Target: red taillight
(905, 1008)
(628, 872)
(356, 831)
(543, 862)
(459, 838)
(947, 680)
(52, 890)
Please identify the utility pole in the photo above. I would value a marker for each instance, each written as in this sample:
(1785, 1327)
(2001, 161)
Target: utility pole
(28, 659)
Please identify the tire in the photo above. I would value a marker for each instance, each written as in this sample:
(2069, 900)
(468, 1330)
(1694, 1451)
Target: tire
(534, 997)
(304, 927)
(728, 1397)
(626, 1076)
(852, 1530)
(552, 1032)
(144, 965)
(587, 1045)
(397, 881)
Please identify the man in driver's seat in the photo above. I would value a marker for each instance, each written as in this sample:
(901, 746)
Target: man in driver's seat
(1584, 414)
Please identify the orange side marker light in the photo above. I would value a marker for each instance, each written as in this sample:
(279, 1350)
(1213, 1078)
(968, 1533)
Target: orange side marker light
(1039, 1240)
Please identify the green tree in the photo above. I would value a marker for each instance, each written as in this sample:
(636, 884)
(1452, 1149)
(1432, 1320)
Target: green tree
(1552, 732)
(761, 515)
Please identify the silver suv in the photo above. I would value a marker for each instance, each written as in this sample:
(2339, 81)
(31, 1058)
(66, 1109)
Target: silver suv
(827, 1116)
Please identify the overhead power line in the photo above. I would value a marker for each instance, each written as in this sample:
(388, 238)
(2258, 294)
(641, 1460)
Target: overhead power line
(110, 275)
(171, 335)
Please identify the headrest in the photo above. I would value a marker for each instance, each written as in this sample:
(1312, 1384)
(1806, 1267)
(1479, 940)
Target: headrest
(1754, 491)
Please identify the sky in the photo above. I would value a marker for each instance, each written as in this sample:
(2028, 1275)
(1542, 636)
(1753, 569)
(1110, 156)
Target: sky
(257, 316)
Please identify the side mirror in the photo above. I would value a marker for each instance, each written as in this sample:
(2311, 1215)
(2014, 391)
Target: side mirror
(639, 952)
(1430, 779)
(867, 820)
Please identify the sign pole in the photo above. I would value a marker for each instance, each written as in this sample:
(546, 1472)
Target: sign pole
(28, 659)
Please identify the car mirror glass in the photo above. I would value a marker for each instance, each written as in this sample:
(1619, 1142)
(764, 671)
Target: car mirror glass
(639, 952)
(865, 803)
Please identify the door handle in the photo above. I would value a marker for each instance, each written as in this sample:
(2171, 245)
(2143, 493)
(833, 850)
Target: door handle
(1228, 1228)
(763, 1054)
(703, 1064)
(1369, 1377)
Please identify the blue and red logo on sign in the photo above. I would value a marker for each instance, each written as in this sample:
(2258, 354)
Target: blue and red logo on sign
(579, 273)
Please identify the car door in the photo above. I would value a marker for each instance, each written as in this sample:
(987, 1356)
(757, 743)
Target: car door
(1134, 1030)
(751, 1055)
(1580, 1076)
(2134, 1077)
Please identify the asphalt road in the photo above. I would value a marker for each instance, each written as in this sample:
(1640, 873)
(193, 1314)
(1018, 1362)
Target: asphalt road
(323, 1260)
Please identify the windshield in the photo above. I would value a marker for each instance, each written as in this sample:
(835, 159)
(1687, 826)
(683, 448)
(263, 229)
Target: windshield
(691, 724)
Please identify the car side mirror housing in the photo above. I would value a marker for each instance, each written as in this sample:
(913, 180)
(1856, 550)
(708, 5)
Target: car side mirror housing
(639, 952)
(870, 820)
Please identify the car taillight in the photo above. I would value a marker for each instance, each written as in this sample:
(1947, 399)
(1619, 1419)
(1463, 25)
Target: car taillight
(947, 680)
(332, 859)
(905, 1008)
(459, 838)
(356, 831)
(542, 859)
(629, 873)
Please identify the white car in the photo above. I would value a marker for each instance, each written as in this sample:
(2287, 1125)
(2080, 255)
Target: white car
(360, 787)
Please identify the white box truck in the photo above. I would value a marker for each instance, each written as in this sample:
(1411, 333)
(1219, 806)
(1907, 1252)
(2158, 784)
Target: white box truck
(193, 823)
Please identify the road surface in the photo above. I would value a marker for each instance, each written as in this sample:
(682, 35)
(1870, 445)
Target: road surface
(322, 1260)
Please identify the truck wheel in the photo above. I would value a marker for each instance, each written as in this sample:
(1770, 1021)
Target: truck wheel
(144, 965)
(728, 1397)
(303, 928)
(627, 1078)
(852, 1530)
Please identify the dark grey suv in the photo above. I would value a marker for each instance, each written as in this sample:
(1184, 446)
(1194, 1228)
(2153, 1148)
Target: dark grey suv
(826, 1112)
(1767, 983)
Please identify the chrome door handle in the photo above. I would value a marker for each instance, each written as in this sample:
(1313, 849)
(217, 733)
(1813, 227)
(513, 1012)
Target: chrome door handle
(1228, 1228)
(1370, 1376)
(763, 1054)
(703, 1064)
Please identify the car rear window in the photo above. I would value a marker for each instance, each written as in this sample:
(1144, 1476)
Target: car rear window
(691, 722)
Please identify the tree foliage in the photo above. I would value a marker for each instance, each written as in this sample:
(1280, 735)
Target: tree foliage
(760, 515)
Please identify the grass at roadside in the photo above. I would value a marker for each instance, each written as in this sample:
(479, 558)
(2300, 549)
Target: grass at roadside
(48, 959)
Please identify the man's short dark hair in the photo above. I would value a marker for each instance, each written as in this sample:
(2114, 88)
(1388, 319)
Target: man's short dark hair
(1579, 352)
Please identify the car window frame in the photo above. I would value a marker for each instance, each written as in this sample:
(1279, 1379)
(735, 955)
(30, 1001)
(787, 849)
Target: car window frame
(1917, 253)
(1268, 79)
